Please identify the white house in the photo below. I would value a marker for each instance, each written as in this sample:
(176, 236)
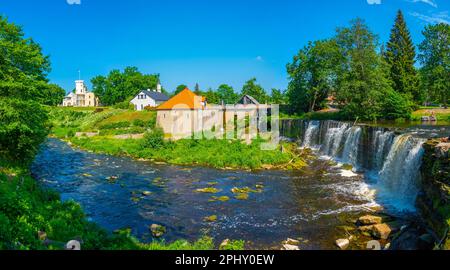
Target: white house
(151, 98)
(81, 98)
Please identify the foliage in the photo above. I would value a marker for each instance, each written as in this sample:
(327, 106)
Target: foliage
(23, 128)
(435, 59)
(153, 139)
(226, 94)
(278, 96)
(396, 106)
(255, 90)
(120, 86)
(400, 55)
(362, 78)
(212, 96)
(179, 88)
(312, 75)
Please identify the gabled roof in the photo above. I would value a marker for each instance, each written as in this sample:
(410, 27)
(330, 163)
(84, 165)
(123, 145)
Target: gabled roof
(252, 100)
(186, 99)
(157, 96)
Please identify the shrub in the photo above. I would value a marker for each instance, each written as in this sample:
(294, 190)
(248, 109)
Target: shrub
(122, 124)
(23, 127)
(138, 123)
(154, 138)
(124, 105)
(396, 106)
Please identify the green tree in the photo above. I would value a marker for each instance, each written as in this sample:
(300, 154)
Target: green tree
(226, 94)
(400, 55)
(197, 90)
(52, 95)
(255, 90)
(362, 83)
(179, 88)
(312, 75)
(435, 59)
(277, 96)
(122, 86)
(20, 58)
(212, 96)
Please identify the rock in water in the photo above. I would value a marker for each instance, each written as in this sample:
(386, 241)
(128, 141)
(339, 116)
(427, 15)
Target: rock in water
(343, 243)
(292, 242)
(290, 247)
(381, 231)
(157, 230)
(369, 220)
(224, 244)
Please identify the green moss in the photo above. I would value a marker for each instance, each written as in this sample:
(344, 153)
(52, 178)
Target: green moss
(347, 167)
(212, 218)
(241, 196)
(220, 199)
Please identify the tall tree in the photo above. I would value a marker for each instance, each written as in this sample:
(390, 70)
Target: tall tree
(122, 86)
(400, 54)
(197, 90)
(312, 75)
(212, 96)
(277, 96)
(362, 83)
(255, 90)
(226, 94)
(435, 59)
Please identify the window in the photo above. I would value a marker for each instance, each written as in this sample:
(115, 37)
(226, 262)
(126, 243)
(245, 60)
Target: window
(142, 106)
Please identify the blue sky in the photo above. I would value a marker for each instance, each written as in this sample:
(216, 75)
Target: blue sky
(189, 41)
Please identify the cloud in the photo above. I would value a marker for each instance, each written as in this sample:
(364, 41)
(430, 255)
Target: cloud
(429, 2)
(374, 2)
(441, 17)
(74, 2)
(259, 58)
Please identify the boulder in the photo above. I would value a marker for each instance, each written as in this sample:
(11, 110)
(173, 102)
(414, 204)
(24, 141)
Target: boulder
(369, 220)
(157, 230)
(381, 231)
(224, 244)
(291, 241)
(290, 247)
(343, 243)
(42, 235)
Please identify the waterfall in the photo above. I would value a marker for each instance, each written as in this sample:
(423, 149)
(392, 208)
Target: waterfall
(382, 140)
(311, 134)
(390, 162)
(350, 154)
(333, 139)
(400, 174)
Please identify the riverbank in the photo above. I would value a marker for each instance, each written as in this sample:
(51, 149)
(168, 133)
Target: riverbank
(100, 128)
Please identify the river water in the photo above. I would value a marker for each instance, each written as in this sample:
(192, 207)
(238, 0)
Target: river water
(310, 204)
(307, 204)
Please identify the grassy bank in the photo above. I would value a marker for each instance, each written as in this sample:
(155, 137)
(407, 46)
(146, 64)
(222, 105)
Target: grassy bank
(35, 219)
(214, 153)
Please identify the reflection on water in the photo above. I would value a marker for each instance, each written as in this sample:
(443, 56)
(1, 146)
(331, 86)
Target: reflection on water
(307, 204)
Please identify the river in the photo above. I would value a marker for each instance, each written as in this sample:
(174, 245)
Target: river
(308, 204)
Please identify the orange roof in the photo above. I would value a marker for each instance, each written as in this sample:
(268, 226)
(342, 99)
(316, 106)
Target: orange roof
(186, 99)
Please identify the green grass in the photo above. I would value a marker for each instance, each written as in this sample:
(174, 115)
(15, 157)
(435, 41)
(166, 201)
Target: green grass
(441, 114)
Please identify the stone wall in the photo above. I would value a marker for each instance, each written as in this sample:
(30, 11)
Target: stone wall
(434, 200)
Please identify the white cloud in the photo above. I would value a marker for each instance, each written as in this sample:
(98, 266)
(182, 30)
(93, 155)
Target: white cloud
(374, 2)
(74, 2)
(259, 58)
(429, 2)
(441, 17)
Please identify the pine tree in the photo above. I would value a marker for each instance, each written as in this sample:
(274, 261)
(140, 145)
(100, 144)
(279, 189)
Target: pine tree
(400, 54)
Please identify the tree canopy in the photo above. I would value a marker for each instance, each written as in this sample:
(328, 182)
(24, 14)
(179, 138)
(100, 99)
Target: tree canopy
(255, 90)
(435, 59)
(120, 86)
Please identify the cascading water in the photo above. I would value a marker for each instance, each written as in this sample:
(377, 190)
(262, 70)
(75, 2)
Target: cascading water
(311, 134)
(391, 161)
(400, 174)
(350, 154)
